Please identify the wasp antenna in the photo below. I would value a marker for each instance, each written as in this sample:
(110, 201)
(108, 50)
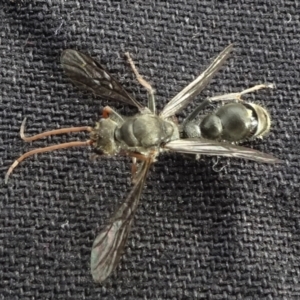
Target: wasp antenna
(45, 149)
(51, 132)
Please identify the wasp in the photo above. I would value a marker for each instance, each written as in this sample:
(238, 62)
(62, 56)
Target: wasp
(148, 133)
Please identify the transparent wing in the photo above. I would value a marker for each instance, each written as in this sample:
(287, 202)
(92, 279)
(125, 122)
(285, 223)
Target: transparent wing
(88, 74)
(214, 148)
(182, 99)
(109, 244)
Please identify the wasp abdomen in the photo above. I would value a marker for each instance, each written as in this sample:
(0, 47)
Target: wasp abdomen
(232, 122)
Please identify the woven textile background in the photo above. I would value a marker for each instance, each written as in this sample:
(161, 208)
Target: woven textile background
(201, 231)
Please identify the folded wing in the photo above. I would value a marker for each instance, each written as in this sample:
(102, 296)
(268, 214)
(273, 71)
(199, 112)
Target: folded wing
(110, 242)
(182, 99)
(214, 148)
(88, 74)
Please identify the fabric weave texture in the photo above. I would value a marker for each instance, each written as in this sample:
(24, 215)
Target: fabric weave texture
(212, 229)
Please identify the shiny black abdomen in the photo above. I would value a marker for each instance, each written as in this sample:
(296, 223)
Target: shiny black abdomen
(236, 121)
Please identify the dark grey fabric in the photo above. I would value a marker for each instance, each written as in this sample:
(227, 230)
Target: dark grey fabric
(198, 233)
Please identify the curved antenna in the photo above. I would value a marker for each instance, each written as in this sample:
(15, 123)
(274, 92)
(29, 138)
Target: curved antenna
(51, 132)
(49, 148)
(45, 149)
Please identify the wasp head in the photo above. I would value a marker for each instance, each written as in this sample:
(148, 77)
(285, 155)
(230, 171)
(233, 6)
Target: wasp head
(103, 137)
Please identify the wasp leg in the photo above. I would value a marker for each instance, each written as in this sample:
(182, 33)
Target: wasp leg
(134, 167)
(238, 96)
(151, 102)
(108, 112)
(227, 97)
(144, 83)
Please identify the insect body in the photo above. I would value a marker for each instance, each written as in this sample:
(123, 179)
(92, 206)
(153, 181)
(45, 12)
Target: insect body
(135, 134)
(233, 122)
(146, 134)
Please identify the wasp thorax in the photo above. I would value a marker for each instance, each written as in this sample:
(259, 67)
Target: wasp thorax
(211, 127)
(103, 137)
(146, 130)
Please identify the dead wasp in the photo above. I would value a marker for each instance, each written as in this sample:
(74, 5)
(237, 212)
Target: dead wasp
(148, 133)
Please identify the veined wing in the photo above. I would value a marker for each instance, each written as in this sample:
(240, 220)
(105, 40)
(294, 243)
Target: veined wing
(182, 99)
(90, 75)
(214, 148)
(109, 244)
